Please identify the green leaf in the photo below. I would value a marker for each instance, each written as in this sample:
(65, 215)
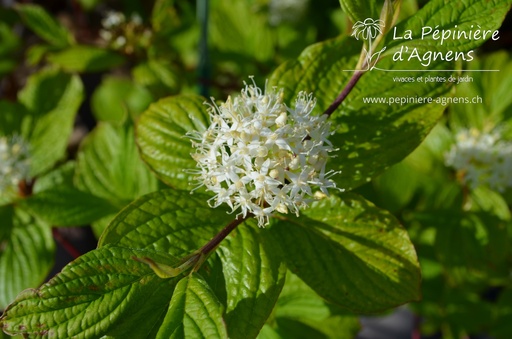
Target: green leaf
(370, 137)
(26, 252)
(254, 276)
(502, 327)
(88, 4)
(491, 202)
(52, 100)
(299, 310)
(164, 17)
(161, 137)
(240, 32)
(9, 43)
(83, 58)
(158, 76)
(91, 297)
(351, 253)
(11, 117)
(373, 136)
(397, 186)
(37, 52)
(467, 15)
(57, 201)
(491, 88)
(360, 10)
(98, 226)
(267, 332)
(482, 245)
(194, 312)
(169, 221)
(178, 223)
(9, 40)
(116, 99)
(7, 66)
(44, 25)
(109, 166)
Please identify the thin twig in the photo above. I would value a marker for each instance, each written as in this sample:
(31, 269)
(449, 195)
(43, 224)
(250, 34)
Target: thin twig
(216, 240)
(351, 84)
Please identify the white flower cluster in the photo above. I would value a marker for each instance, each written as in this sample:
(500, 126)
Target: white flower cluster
(117, 30)
(482, 158)
(14, 162)
(260, 156)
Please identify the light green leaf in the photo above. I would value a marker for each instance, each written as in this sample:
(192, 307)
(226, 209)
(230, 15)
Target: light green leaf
(109, 166)
(83, 58)
(37, 52)
(161, 137)
(52, 99)
(117, 99)
(467, 15)
(491, 87)
(239, 31)
(91, 297)
(360, 10)
(168, 221)
(98, 226)
(26, 252)
(487, 200)
(164, 17)
(44, 25)
(254, 276)
(351, 253)
(57, 201)
(158, 76)
(194, 312)
(397, 186)
(267, 332)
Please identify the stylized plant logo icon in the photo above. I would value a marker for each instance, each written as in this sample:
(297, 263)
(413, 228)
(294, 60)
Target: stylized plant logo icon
(368, 30)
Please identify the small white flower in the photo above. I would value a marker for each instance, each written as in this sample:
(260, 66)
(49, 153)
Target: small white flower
(259, 156)
(14, 162)
(482, 158)
(113, 19)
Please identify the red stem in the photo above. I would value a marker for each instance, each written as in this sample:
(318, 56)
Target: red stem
(65, 243)
(216, 240)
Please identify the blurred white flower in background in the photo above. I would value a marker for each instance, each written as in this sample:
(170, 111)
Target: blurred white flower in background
(260, 156)
(123, 33)
(482, 158)
(286, 11)
(14, 162)
(113, 19)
